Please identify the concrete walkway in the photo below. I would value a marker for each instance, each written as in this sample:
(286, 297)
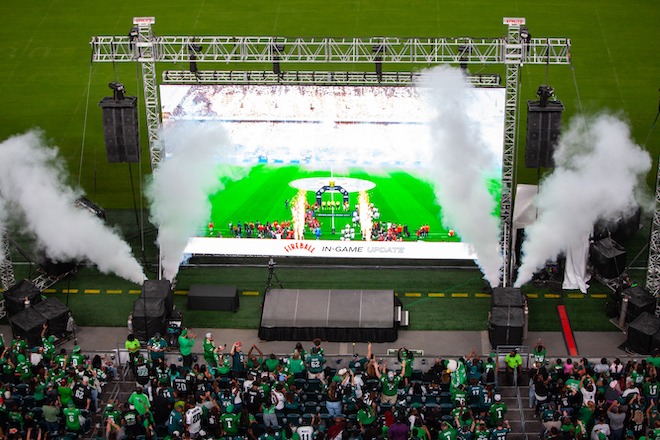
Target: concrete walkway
(433, 343)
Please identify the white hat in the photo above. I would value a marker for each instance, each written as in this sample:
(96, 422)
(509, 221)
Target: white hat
(209, 335)
(342, 372)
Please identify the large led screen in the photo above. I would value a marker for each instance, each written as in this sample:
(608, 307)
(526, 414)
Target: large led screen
(328, 171)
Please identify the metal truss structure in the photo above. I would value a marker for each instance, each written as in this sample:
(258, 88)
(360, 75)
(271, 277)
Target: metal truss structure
(7, 278)
(310, 77)
(513, 50)
(653, 269)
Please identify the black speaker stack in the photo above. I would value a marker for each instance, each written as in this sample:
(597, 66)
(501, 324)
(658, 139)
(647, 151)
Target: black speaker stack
(543, 129)
(120, 129)
(506, 321)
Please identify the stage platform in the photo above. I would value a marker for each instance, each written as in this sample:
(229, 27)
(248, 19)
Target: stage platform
(331, 315)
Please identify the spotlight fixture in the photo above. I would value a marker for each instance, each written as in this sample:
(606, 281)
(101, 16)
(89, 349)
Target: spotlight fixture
(379, 51)
(544, 92)
(117, 90)
(277, 49)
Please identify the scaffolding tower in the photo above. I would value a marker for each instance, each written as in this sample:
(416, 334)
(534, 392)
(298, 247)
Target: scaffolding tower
(512, 50)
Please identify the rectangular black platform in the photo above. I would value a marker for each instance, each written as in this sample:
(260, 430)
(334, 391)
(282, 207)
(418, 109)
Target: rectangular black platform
(212, 297)
(331, 315)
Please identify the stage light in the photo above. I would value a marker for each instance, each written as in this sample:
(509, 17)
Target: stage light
(193, 50)
(277, 49)
(379, 51)
(525, 35)
(463, 51)
(544, 92)
(117, 90)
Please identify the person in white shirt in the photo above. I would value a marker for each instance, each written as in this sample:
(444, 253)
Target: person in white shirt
(194, 420)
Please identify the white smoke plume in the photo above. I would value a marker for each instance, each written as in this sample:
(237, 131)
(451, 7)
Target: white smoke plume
(460, 162)
(366, 215)
(32, 182)
(597, 175)
(181, 185)
(298, 213)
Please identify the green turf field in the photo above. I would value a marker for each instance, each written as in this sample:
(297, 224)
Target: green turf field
(46, 79)
(265, 194)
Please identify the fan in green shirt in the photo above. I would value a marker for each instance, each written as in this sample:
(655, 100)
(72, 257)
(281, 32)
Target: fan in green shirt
(77, 358)
(447, 432)
(230, 421)
(72, 418)
(23, 369)
(65, 392)
(210, 350)
(365, 415)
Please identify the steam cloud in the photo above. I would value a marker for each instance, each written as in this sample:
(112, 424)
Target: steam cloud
(32, 185)
(460, 162)
(181, 185)
(598, 168)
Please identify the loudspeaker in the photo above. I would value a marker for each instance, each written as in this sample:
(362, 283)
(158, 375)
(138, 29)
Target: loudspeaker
(639, 301)
(608, 258)
(543, 131)
(120, 129)
(620, 229)
(506, 297)
(505, 326)
(148, 318)
(641, 332)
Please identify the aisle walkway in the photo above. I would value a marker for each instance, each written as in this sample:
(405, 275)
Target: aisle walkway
(433, 343)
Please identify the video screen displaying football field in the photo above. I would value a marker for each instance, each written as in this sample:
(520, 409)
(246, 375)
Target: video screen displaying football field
(337, 156)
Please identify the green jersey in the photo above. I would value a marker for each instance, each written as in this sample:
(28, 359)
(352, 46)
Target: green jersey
(389, 388)
(175, 422)
(447, 434)
(65, 394)
(499, 434)
(366, 416)
(225, 366)
(72, 418)
(16, 418)
(157, 348)
(77, 359)
(209, 351)
(315, 363)
(25, 370)
(497, 411)
(539, 356)
(483, 434)
(230, 423)
(60, 360)
(49, 349)
(113, 415)
(140, 401)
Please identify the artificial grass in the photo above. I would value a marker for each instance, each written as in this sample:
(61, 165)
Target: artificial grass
(45, 73)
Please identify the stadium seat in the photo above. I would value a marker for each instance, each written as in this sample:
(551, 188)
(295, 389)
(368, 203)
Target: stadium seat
(313, 386)
(445, 397)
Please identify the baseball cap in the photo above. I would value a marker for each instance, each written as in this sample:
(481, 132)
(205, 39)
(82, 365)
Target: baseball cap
(209, 336)
(239, 344)
(342, 372)
(76, 349)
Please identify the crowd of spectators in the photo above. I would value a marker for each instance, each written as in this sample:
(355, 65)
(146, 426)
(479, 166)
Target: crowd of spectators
(611, 399)
(229, 393)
